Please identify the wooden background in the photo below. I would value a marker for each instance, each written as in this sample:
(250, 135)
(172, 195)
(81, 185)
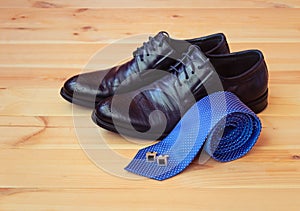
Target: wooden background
(42, 166)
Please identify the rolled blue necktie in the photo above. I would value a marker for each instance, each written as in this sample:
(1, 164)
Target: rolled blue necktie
(219, 123)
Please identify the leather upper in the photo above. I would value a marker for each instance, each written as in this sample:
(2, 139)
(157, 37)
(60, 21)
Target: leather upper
(243, 73)
(159, 52)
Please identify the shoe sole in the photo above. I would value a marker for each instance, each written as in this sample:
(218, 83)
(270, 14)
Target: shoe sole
(84, 103)
(256, 106)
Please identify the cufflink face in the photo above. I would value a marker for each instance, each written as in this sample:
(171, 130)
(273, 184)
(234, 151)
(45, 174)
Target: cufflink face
(162, 160)
(151, 156)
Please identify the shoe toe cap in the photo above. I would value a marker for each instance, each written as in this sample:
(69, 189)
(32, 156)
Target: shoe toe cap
(85, 86)
(70, 85)
(125, 111)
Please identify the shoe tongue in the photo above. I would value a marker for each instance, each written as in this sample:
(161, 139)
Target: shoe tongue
(161, 36)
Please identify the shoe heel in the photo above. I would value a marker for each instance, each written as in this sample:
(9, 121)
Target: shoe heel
(259, 104)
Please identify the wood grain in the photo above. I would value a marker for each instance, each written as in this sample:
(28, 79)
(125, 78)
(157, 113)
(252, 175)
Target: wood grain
(43, 167)
(90, 25)
(150, 3)
(92, 199)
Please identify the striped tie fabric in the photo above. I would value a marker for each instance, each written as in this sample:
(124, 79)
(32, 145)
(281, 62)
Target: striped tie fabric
(219, 123)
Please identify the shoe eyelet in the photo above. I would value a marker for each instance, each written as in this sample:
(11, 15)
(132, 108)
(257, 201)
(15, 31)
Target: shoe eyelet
(193, 72)
(148, 54)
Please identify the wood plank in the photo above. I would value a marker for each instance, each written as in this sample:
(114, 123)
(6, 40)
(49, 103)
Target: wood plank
(150, 4)
(160, 198)
(36, 121)
(82, 56)
(35, 77)
(71, 25)
(37, 103)
(284, 77)
(60, 168)
(279, 56)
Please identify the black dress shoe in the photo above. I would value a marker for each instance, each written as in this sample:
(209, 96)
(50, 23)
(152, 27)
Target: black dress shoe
(243, 73)
(159, 52)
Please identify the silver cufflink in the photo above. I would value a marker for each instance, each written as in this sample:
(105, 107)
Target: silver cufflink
(151, 156)
(162, 160)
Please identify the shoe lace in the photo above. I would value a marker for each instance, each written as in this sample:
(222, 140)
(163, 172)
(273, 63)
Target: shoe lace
(181, 66)
(149, 46)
